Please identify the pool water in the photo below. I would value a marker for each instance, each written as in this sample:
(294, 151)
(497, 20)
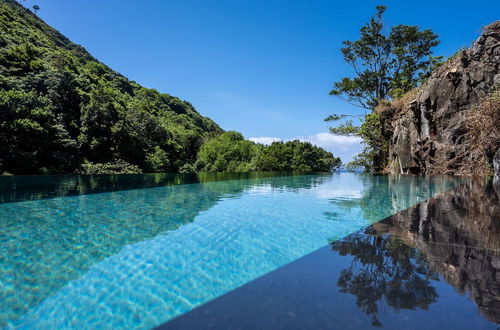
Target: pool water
(137, 258)
(435, 265)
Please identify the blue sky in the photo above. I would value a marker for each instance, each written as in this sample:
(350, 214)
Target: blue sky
(263, 68)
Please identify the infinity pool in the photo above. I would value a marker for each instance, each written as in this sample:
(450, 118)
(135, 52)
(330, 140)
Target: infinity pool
(80, 252)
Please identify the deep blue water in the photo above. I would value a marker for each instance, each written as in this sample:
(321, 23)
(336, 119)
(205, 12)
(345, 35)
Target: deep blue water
(138, 251)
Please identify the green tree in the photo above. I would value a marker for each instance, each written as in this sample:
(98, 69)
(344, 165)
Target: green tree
(228, 152)
(21, 58)
(158, 160)
(26, 130)
(386, 66)
(296, 156)
(99, 115)
(118, 166)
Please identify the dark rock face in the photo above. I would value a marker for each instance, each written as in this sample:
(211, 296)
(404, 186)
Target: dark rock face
(496, 164)
(429, 135)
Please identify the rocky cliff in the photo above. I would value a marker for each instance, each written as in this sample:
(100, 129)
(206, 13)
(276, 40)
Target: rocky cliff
(451, 124)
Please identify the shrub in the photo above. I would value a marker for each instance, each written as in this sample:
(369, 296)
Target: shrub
(483, 124)
(116, 167)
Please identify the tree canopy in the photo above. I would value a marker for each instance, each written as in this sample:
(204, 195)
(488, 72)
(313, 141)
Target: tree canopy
(296, 156)
(386, 65)
(230, 152)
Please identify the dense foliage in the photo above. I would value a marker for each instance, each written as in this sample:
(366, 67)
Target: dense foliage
(230, 152)
(296, 156)
(483, 123)
(386, 65)
(116, 167)
(61, 110)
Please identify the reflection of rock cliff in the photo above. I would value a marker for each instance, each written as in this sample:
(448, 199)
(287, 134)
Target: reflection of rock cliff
(430, 133)
(459, 232)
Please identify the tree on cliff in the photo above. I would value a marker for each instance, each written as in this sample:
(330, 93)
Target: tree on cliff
(386, 66)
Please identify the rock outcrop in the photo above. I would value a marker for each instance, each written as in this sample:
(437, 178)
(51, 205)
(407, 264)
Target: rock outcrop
(430, 133)
(496, 164)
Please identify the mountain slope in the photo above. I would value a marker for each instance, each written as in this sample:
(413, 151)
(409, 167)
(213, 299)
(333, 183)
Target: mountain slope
(61, 108)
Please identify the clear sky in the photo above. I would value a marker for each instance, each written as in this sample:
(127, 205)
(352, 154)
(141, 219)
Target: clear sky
(261, 67)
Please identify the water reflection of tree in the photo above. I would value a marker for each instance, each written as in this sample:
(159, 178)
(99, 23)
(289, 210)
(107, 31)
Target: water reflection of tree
(383, 269)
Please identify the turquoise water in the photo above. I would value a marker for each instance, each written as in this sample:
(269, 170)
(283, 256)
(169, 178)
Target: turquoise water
(137, 258)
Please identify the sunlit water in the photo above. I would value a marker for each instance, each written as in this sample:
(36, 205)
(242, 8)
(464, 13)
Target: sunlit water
(138, 258)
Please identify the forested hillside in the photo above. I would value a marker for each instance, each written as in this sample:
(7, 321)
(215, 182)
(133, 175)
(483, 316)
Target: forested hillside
(61, 110)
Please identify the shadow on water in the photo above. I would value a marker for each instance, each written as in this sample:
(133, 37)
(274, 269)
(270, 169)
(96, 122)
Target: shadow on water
(454, 237)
